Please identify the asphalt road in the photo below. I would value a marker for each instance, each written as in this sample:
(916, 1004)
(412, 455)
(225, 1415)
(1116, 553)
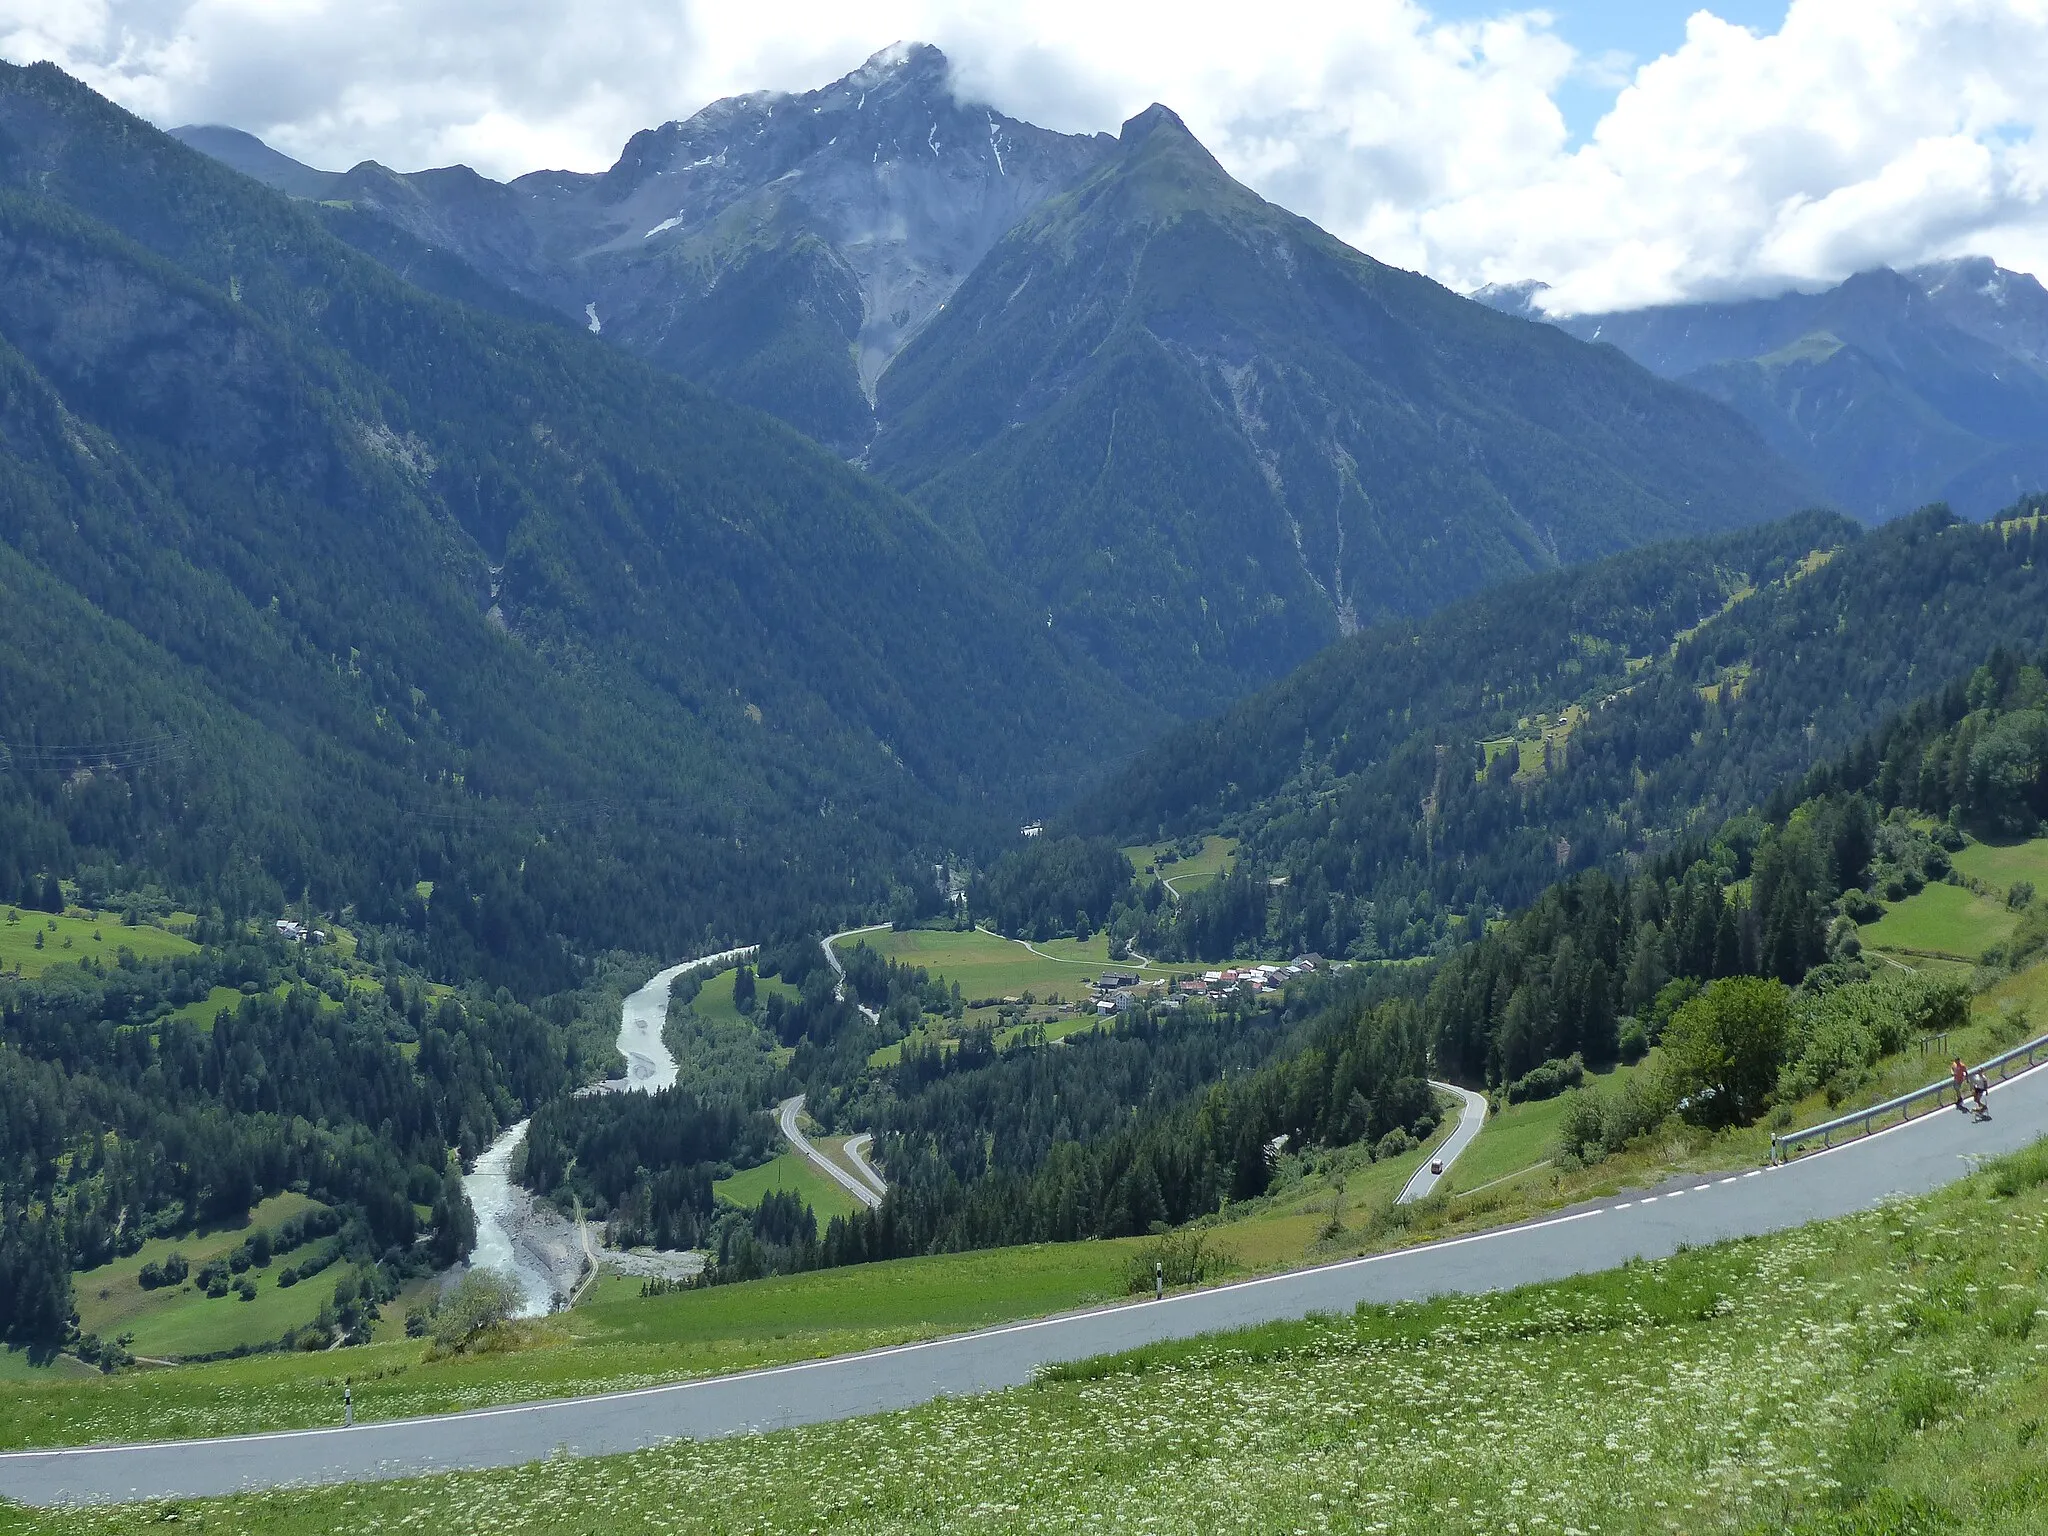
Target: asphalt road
(1912, 1159)
(1471, 1116)
(857, 1154)
(785, 1116)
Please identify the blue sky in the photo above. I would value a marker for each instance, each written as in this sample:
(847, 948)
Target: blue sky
(1641, 29)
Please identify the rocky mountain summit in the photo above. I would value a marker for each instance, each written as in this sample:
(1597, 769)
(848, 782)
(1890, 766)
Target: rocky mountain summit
(778, 248)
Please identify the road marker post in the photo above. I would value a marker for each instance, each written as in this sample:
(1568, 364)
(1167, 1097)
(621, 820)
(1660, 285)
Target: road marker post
(1159, 1280)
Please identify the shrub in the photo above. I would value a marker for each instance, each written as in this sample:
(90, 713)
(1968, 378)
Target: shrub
(1632, 1040)
(172, 1271)
(1839, 1034)
(1393, 1144)
(1186, 1258)
(1595, 1123)
(2019, 894)
(480, 1302)
(1548, 1080)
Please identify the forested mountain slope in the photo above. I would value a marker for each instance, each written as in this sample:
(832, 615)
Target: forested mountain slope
(1894, 389)
(422, 593)
(1412, 774)
(779, 248)
(1213, 438)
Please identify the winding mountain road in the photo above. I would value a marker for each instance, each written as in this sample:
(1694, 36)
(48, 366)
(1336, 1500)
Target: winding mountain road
(785, 1117)
(857, 1154)
(1911, 1159)
(1471, 1117)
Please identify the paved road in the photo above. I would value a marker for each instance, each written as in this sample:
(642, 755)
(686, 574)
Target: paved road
(1471, 1116)
(785, 1116)
(857, 1154)
(832, 959)
(1911, 1159)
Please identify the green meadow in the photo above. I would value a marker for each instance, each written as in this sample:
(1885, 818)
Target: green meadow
(184, 1320)
(987, 965)
(791, 1171)
(1184, 876)
(1948, 920)
(2002, 865)
(68, 937)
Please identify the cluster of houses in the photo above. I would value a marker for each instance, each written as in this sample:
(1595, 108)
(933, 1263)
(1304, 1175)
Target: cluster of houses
(299, 933)
(1121, 991)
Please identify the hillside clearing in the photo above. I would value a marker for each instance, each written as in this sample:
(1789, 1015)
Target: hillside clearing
(791, 1171)
(70, 937)
(1942, 920)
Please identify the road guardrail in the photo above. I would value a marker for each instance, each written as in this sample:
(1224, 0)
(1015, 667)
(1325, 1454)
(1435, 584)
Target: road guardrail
(1935, 1095)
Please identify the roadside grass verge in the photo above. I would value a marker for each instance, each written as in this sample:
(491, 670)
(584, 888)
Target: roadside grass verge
(617, 1340)
(1882, 1372)
(1518, 1137)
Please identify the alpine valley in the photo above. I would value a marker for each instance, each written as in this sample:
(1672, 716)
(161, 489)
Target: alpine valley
(880, 721)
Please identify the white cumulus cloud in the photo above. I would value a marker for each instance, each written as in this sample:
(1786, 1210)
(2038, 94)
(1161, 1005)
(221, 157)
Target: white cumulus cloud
(1863, 132)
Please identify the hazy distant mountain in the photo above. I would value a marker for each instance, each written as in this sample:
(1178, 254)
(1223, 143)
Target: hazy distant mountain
(779, 248)
(1894, 389)
(1213, 437)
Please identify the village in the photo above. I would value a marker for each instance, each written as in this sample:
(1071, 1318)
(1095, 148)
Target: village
(1117, 991)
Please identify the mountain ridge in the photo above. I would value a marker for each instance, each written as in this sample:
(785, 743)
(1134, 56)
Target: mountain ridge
(752, 245)
(1895, 389)
(1201, 425)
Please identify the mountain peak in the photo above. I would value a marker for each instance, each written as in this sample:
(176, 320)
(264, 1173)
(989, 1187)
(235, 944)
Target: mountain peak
(901, 60)
(1156, 119)
(1163, 154)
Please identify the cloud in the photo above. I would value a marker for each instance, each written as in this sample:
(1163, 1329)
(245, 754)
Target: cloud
(1862, 132)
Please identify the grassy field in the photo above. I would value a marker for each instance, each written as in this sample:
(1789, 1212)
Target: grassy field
(714, 1001)
(618, 1339)
(1871, 1374)
(210, 1007)
(72, 937)
(1999, 865)
(1516, 1139)
(988, 965)
(184, 1320)
(1185, 876)
(1942, 919)
(791, 1171)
